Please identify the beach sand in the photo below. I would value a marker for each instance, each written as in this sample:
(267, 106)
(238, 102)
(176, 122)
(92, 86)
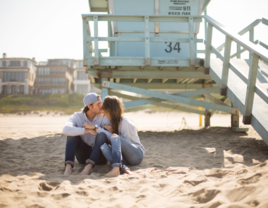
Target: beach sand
(184, 165)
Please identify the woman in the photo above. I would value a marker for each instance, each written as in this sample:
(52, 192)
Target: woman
(126, 148)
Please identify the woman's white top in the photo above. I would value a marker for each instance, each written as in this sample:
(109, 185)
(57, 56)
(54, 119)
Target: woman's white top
(127, 130)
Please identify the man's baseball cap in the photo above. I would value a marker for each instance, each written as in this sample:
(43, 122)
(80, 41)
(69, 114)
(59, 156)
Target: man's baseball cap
(91, 98)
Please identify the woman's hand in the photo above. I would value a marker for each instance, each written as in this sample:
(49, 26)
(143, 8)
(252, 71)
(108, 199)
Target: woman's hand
(88, 126)
(115, 135)
(91, 131)
(108, 127)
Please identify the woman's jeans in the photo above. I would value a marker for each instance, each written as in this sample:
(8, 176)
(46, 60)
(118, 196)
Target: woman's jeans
(122, 153)
(76, 147)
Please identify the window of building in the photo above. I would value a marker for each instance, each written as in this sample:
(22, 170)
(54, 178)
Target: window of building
(63, 69)
(21, 89)
(81, 75)
(82, 89)
(25, 63)
(43, 71)
(54, 69)
(13, 89)
(5, 89)
(14, 63)
(58, 81)
(14, 76)
(54, 63)
(44, 91)
(4, 63)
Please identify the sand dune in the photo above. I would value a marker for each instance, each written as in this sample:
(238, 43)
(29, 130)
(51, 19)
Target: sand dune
(208, 168)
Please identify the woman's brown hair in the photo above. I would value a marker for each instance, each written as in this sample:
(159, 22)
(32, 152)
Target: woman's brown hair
(114, 106)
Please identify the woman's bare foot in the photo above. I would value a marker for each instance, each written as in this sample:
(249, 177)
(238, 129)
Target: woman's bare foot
(68, 169)
(127, 172)
(114, 172)
(87, 170)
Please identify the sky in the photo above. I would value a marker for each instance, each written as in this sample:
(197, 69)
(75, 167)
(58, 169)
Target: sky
(47, 29)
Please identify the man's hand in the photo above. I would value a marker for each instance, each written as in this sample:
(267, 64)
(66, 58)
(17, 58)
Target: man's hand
(108, 127)
(90, 131)
(88, 126)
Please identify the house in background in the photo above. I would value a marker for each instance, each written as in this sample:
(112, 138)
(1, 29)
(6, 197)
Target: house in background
(55, 76)
(81, 81)
(17, 75)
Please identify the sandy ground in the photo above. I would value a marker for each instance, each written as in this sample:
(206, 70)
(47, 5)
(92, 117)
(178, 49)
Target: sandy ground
(184, 166)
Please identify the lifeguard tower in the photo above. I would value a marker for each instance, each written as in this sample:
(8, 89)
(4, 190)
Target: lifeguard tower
(152, 47)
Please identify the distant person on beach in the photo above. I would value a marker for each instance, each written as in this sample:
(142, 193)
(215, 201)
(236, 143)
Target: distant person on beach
(82, 140)
(126, 148)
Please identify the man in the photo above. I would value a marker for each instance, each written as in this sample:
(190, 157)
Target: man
(81, 135)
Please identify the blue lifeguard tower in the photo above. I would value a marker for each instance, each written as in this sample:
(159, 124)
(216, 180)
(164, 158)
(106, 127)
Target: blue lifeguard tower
(152, 47)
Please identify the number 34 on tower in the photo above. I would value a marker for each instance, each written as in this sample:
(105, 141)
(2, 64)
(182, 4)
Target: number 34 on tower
(170, 48)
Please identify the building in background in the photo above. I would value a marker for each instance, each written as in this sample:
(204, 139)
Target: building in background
(81, 81)
(17, 75)
(55, 77)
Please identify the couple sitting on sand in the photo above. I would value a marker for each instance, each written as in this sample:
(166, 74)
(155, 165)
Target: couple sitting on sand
(100, 133)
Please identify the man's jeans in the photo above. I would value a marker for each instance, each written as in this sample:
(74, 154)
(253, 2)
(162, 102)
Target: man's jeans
(122, 153)
(85, 154)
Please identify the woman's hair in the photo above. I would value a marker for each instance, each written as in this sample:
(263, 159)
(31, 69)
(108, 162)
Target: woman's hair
(114, 106)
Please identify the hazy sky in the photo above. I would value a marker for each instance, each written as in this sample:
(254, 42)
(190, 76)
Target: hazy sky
(53, 28)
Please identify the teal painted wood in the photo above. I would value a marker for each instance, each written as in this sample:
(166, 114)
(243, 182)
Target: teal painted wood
(263, 45)
(139, 61)
(104, 89)
(152, 74)
(96, 43)
(167, 97)
(140, 18)
(251, 85)
(191, 41)
(137, 103)
(193, 93)
(243, 50)
(251, 35)
(162, 86)
(208, 45)
(265, 21)
(214, 100)
(226, 64)
(141, 39)
(111, 43)
(236, 93)
(206, 24)
(237, 38)
(85, 46)
(241, 75)
(238, 51)
(147, 41)
(203, 91)
(243, 31)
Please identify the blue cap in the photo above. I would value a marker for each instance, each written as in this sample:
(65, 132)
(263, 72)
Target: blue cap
(91, 98)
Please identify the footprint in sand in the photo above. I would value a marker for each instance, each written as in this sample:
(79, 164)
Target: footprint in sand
(204, 196)
(44, 187)
(82, 193)
(252, 179)
(195, 182)
(47, 186)
(218, 173)
(60, 196)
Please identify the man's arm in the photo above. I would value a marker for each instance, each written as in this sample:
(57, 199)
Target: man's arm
(71, 129)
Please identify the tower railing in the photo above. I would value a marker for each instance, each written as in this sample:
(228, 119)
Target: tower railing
(250, 79)
(90, 40)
